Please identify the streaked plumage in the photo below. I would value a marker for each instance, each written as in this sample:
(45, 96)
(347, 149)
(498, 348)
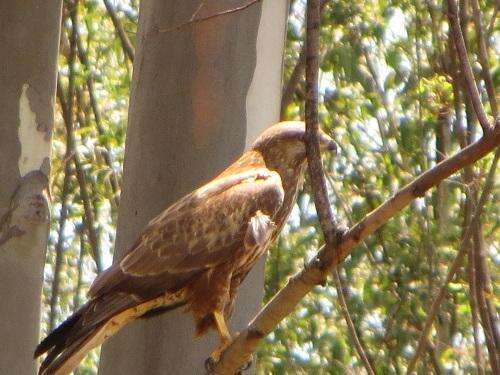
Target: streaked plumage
(196, 253)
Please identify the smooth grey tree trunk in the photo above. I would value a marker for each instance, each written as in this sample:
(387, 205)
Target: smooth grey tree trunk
(200, 94)
(29, 39)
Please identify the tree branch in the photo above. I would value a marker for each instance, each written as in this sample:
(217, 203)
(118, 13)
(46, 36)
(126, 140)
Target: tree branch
(315, 166)
(358, 344)
(60, 243)
(483, 57)
(128, 49)
(79, 277)
(293, 81)
(466, 69)
(67, 111)
(106, 153)
(284, 302)
(297, 73)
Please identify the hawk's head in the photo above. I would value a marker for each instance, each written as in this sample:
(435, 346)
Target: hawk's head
(283, 144)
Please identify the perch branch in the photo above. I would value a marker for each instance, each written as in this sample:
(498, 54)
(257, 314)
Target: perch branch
(285, 301)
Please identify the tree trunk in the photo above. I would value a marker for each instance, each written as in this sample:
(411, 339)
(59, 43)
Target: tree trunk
(200, 93)
(29, 36)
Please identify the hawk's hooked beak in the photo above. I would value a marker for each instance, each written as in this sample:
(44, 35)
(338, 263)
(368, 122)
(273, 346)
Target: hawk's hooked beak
(326, 143)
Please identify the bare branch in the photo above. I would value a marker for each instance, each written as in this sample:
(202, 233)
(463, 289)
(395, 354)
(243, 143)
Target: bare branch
(358, 344)
(106, 153)
(79, 278)
(211, 16)
(88, 213)
(293, 81)
(67, 111)
(54, 294)
(466, 69)
(128, 49)
(315, 166)
(297, 74)
(483, 57)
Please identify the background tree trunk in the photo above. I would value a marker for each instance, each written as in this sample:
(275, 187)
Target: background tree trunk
(200, 94)
(29, 36)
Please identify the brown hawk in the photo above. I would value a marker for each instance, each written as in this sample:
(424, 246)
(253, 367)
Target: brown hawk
(195, 253)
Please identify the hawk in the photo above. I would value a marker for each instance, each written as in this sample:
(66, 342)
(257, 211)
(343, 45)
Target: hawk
(196, 253)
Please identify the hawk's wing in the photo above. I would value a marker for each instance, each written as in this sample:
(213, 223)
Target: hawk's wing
(206, 227)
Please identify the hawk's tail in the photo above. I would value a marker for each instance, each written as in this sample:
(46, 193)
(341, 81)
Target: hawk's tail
(67, 344)
(91, 325)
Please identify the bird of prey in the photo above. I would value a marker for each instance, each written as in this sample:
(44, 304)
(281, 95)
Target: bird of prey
(196, 253)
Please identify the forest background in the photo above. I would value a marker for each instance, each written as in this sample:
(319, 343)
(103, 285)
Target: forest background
(391, 95)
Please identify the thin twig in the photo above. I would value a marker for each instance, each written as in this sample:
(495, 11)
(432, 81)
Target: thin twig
(483, 286)
(471, 268)
(358, 344)
(106, 153)
(63, 215)
(79, 277)
(491, 26)
(466, 69)
(293, 81)
(297, 74)
(211, 16)
(455, 266)
(128, 49)
(483, 57)
(67, 111)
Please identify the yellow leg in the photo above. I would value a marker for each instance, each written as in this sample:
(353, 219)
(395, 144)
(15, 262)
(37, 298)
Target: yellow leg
(225, 336)
(225, 341)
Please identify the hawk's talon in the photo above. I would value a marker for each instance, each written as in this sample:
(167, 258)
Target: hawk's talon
(247, 365)
(210, 364)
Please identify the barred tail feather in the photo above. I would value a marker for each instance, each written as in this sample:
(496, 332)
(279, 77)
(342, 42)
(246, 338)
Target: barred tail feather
(91, 325)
